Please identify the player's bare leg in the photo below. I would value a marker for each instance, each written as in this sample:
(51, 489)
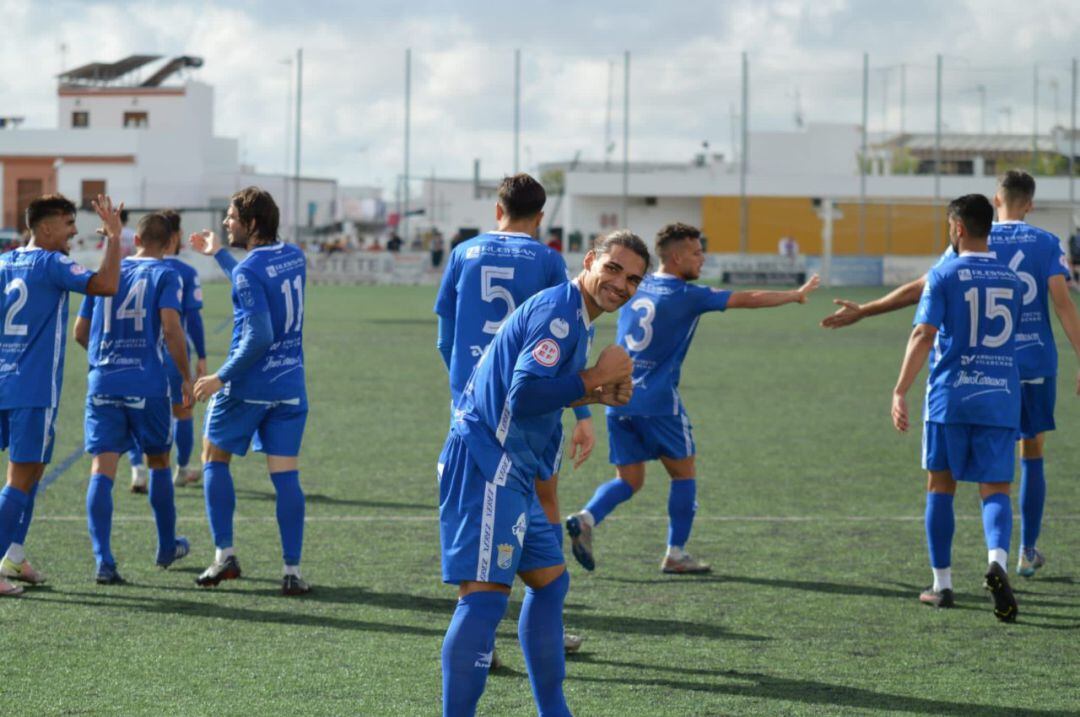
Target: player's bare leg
(1031, 499)
(682, 505)
(22, 482)
(547, 492)
(220, 505)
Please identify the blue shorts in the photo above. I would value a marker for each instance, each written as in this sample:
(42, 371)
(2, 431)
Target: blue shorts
(1037, 399)
(117, 424)
(636, 439)
(28, 434)
(489, 532)
(977, 454)
(277, 427)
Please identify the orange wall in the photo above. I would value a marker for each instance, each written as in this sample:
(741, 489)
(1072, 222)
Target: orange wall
(29, 168)
(912, 229)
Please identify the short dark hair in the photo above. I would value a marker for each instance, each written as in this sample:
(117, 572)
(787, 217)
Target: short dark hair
(174, 219)
(154, 229)
(521, 196)
(674, 233)
(123, 216)
(1016, 186)
(47, 206)
(255, 204)
(625, 238)
(975, 212)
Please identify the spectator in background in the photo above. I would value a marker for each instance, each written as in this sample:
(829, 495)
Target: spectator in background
(555, 241)
(395, 242)
(437, 248)
(788, 248)
(456, 239)
(127, 236)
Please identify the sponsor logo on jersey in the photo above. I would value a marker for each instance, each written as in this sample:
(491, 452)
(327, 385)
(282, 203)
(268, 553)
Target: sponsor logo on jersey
(546, 353)
(472, 252)
(977, 378)
(964, 274)
(559, 328)
(271, 271)
(506, 556)
(519, 529)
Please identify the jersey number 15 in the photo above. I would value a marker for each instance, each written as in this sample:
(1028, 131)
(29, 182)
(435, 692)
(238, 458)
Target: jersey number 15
(997, 299)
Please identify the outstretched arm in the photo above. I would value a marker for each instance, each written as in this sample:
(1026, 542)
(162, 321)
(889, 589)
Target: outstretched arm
(918, 348)
(766, 299)
(107, 279)
(1067, 313)
(850, 312)
(207, 242)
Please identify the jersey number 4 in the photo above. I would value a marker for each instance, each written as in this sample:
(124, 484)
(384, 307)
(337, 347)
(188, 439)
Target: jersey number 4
(132, 307)
(994, 310)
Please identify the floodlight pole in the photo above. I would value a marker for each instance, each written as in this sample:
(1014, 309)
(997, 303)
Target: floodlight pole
(744, 159)
(296, 167)
(1072, 155)
(903, 95)
(517, 107)
(626, 142)
(864, 156)
(937, 139)
(1035, 121)
(404, 216)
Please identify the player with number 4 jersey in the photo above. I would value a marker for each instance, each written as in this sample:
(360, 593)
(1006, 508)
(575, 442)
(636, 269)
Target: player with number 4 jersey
(127, 396)
(969, 316)
(656, 329)
(36, 280)
(259, 397)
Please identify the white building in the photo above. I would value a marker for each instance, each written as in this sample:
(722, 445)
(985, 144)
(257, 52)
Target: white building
(146, 143)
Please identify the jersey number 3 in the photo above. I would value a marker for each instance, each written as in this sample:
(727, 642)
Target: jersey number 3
(645, 322)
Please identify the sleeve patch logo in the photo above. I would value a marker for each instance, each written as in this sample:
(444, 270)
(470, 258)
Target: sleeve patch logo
(546, 353)
(559, 328)
(77, 269)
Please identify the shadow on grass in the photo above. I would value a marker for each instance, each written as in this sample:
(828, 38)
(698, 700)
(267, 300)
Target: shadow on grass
(762, 686)
(320, 499)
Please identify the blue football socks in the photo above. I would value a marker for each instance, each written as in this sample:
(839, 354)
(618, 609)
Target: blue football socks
(681, 507)
(12, 506)
(220, 502)
(184, 435)
(135, 455)
(540, 631)
(19, 536)
(607, 497)
(997, 521)
(940, 526)
(1032, 499)
(99, 510)
(164, 507)
(467, 649)
(290, 514)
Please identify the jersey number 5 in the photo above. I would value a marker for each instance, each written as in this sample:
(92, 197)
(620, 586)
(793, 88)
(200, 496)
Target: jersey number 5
(994, 310)
(489, 292)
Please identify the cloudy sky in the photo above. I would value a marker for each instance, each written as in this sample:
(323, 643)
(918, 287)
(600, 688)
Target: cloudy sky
(805, 60)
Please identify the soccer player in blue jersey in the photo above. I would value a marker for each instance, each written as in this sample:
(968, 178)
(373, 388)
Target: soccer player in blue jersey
(1038, 259)
(486, 278)
(34, 310)
(505, 421)
(191, 318)
(656, 329)
(259, 396)
(127, 395)
(970, 315)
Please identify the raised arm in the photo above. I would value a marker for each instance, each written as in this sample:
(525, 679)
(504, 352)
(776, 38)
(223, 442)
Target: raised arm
(107, 279)
(766, 299)
(918, 348)
(850, 312)
(207, 242)
(1067, 314)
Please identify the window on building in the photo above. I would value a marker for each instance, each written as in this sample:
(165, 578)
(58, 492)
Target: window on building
(137, 120)
(80, 119)
(90, 189)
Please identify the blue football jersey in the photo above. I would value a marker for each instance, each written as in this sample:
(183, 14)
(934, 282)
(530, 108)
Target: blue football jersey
(486, 278)
(191, 294)
(34, 311)
(974, 302)
(656, 328)
(1035, 255)
(126, 348)
(271, 279)
(547, 336)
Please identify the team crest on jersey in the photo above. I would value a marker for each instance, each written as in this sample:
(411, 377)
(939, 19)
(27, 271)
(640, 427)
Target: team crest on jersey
(506, 556)
(559, 328)
(519, 529)
(546, 353)
(77, 269)
(964, 274)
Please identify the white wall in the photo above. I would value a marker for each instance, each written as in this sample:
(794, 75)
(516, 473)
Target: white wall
(188, 113)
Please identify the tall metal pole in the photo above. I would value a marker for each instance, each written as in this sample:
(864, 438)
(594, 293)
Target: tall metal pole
(1035, 121)
(903, 96)
(981, 89)
(405, 177)
(517, 107)
(1072, 154)
(864, 154)
(296, 169)
(744, 159)
(608, 140)
(937, 141)
(626, 142)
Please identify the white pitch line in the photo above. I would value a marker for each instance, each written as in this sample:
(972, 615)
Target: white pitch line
(617, 518)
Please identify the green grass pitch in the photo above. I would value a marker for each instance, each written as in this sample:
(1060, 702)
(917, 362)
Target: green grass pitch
(810, 511)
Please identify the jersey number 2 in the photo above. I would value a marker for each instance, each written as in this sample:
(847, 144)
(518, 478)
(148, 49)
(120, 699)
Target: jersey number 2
(18, 287)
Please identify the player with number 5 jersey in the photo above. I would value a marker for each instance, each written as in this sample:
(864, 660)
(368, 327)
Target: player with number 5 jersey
(656, 329)
(258, 398)
(36, 280)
